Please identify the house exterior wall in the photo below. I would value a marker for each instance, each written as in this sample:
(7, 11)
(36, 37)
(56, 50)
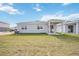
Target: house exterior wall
(77, 27)
(32, 27)
(74, 28)
(64, 26)
(58, 27)
(4, 25)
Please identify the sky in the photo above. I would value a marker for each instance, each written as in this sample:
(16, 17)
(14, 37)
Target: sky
(13, 13)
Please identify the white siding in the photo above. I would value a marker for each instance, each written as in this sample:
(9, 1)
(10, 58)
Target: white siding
(64, 28)
(77, 28)
(32, 28)
(4, 25)
(74, 28)
(59, 27)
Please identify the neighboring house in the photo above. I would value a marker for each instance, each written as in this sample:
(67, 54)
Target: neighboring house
(50, 27)
(4, 27)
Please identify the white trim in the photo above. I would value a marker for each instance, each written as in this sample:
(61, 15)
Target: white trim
(77, 28)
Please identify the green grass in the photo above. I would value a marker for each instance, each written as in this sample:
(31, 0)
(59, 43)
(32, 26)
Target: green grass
(39, 45)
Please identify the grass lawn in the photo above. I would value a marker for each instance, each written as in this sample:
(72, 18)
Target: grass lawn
(39, 45)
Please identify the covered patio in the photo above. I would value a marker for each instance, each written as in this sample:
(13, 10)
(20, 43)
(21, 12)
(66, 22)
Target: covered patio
(53, 25)
(71, 27)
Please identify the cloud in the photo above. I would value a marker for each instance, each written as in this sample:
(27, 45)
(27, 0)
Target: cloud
(11, 4)
(64, 4)
(9, 9)
(57, 15)
(48, 17)
(74, 16)
(37, 7)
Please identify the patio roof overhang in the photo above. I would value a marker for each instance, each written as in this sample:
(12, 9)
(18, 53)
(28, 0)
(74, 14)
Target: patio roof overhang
(56, 21)
(70, 23)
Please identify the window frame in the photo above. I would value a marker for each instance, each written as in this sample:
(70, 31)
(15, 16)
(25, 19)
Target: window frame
(39, 27)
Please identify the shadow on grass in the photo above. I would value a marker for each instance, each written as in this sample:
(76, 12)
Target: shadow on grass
(30, 34)
(68, 37)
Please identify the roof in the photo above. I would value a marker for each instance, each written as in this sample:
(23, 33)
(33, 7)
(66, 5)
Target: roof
(56, 20)
(71, 21)
(3, 22)
(32, 22)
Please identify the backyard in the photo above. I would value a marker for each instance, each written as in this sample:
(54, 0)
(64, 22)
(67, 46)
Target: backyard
(39, 45)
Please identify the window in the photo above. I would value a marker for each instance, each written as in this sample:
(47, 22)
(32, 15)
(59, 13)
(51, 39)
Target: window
(25, 28)
(39, 27)
(22, 28)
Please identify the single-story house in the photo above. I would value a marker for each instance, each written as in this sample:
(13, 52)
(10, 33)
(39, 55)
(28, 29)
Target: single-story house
(50, 27)
(4, 26)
